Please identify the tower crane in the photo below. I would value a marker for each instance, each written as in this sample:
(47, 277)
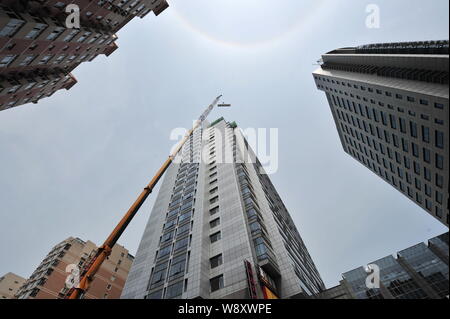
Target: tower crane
(102, 252)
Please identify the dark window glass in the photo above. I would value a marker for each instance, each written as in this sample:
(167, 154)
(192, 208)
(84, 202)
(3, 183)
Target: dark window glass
(216, 283)
(164, 251)
(216, 261)
(439, 161)
(167, 237)
(426, 155)
(415, 149)
(175, 290)
(214, 210)
(426, 134)
(181, 243)
(177, 267)
(155, 295)
(215, 237)
(214, 223)
(183, 229)
(393, 121)
(439, 181)
(413, 128)
(439, 139)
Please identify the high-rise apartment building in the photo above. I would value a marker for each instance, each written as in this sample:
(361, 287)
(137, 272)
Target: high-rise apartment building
(219, 229)
(48, 281)
(418, 272)
(390, 105)
(38, 50)
(9, 285)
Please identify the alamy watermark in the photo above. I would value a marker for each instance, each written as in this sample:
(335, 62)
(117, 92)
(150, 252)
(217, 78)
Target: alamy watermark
(373, 20)
(373, 279)
(73, 279)
(73, 17)
(251, 145)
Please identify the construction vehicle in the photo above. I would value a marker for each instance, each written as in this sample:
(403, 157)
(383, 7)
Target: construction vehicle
(90, 269)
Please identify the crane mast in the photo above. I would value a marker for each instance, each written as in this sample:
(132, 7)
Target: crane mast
(102, 252)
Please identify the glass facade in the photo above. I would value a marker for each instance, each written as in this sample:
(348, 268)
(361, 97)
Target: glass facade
(418, 272)
(397, 280)
(427, 265)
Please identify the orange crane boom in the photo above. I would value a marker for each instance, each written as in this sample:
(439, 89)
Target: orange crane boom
(105, 250)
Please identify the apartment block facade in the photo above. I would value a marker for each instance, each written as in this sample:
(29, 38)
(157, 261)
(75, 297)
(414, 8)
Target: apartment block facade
(218, 229)
(38, 49)
(390, 106)
(9, 285)
(418, 272)
(48, 281)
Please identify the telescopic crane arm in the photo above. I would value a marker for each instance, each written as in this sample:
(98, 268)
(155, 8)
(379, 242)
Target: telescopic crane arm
(105, 250)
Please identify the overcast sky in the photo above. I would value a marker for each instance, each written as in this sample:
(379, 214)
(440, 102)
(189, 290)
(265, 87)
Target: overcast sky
(74, 163)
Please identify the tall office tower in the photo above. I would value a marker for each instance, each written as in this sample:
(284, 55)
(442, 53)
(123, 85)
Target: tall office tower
(49, 279)
(390, 105)
(9, 285)
(38, 49)
(218, 229)
(418, 272)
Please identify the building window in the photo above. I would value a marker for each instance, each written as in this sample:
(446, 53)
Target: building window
(166, 237)
(155, 295)
(178, 266)
(164, 251)
(439, 139)
(215, 237)
(214, 200)
(427, 174)
(214, 223)
(34, 292)
(439, 161)
(11, 27)
(426, 134)
(183, 229)
(415, 150)
(428, 205)
(181, 244)
(84, 36)
(159, 275)
(426, 155)
(59, 59)
(45, 59)
(28, 59)
(439, 181)
(216, 283)
(55, 33)
(214, 210)
(6, 60)
(439, 198)
(216, 261)
(438, 212)
(175, 290)
(34, 33)
(413, 128)
(71, 35)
